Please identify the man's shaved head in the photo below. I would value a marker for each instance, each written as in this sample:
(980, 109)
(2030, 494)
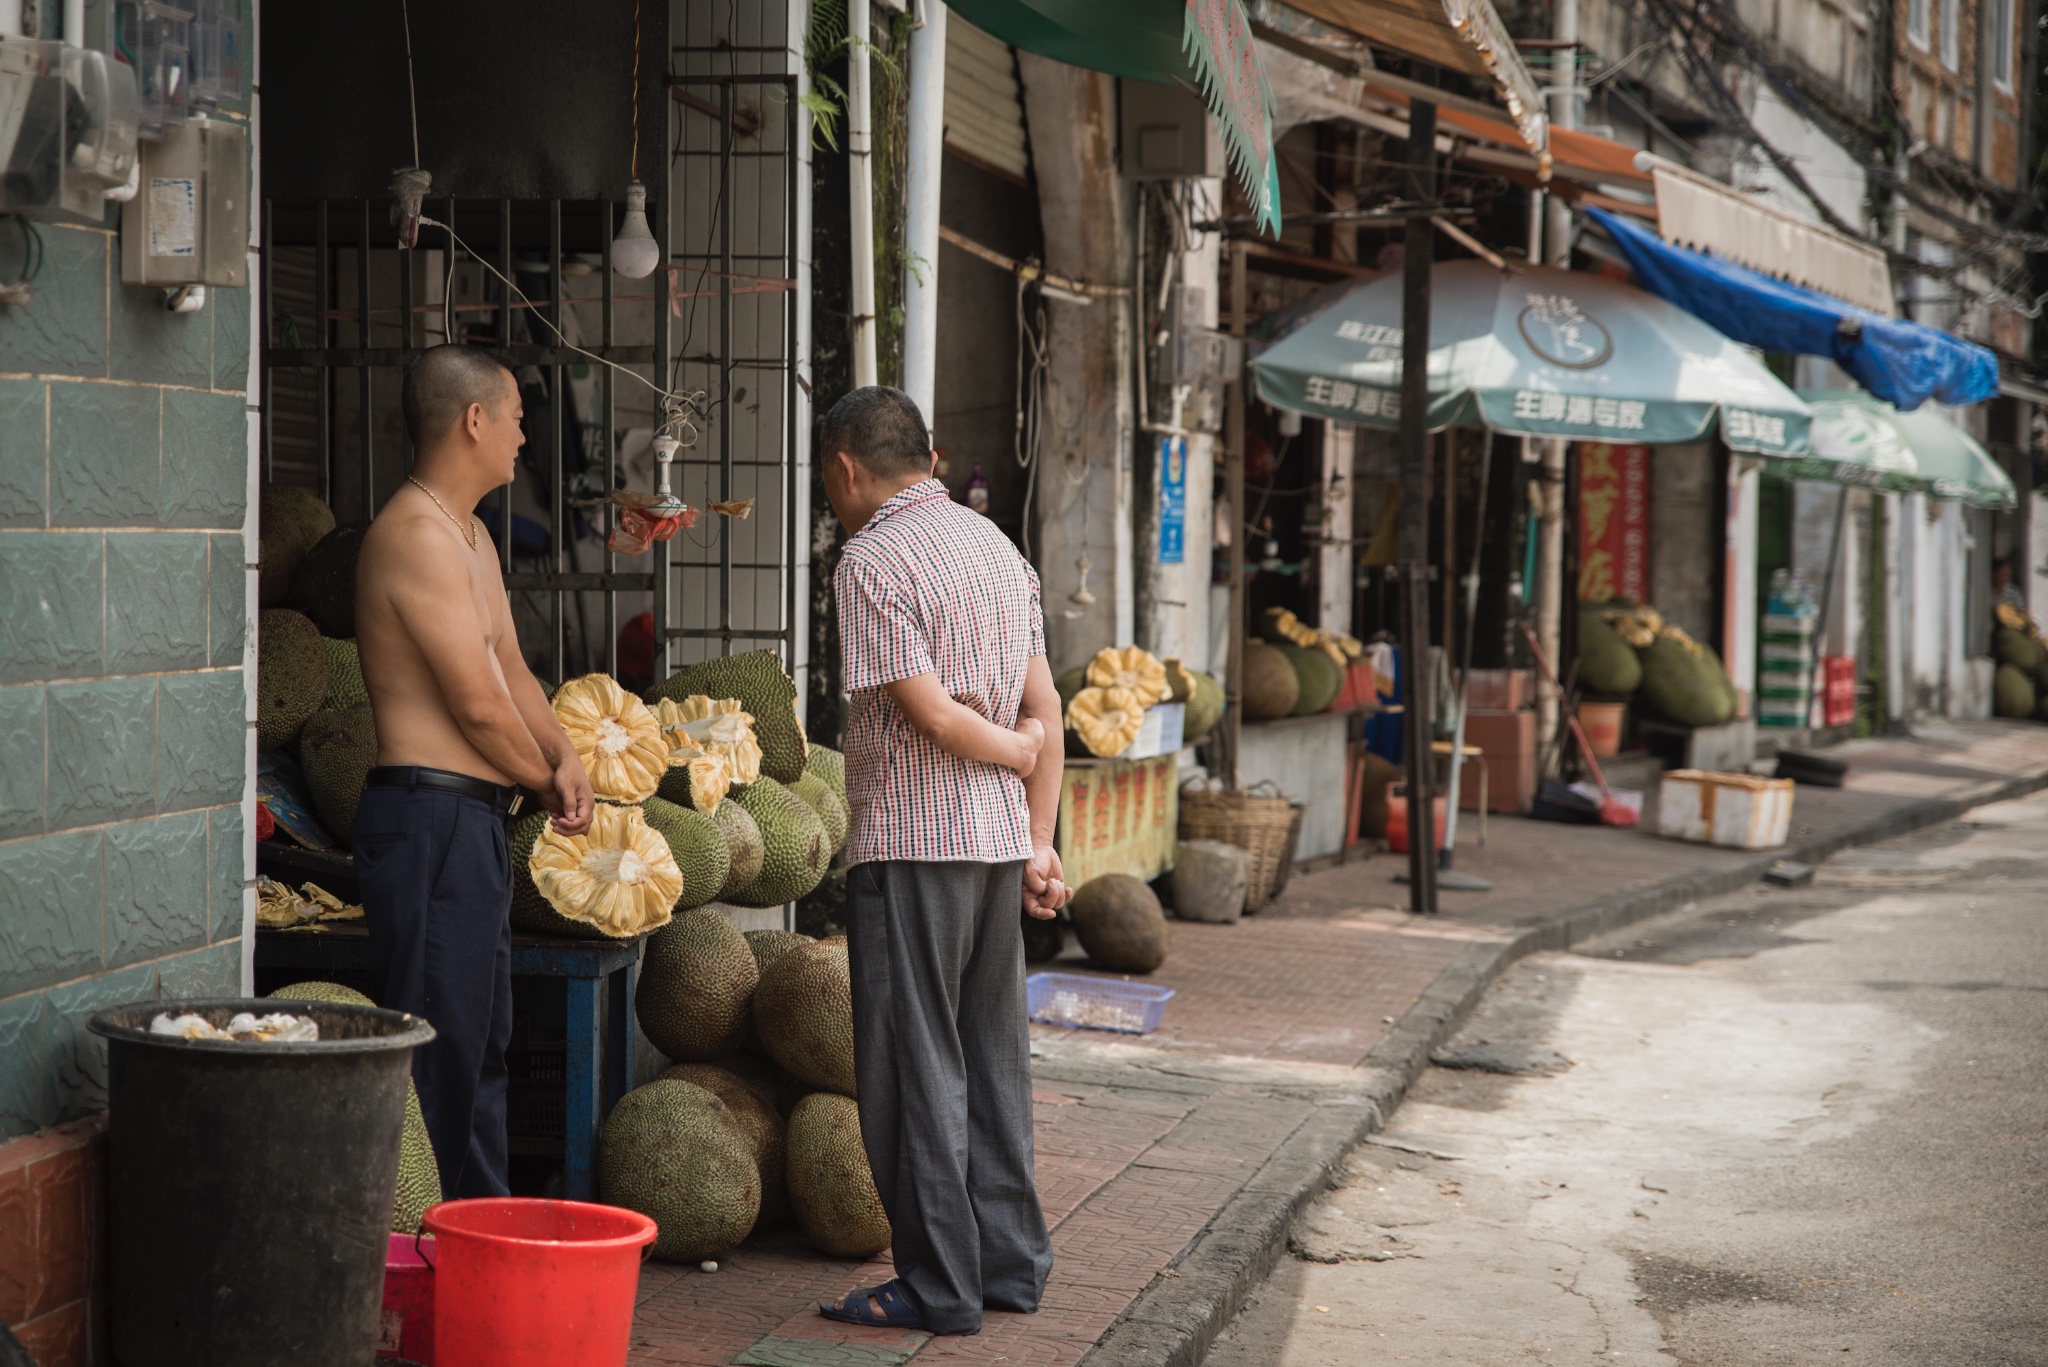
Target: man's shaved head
(881, 428)
(443, 382)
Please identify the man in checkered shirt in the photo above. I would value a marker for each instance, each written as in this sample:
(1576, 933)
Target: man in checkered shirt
(953, 775)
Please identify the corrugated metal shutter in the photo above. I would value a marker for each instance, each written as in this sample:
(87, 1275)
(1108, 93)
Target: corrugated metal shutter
(984, 108)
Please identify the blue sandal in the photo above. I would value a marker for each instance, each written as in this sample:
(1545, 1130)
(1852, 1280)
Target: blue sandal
(882, 1307)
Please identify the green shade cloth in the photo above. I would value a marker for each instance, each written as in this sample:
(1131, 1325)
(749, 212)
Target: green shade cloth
(1860, 439)
(1202, 43)
(1535, 352)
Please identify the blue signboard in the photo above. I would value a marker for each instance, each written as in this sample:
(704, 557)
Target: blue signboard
(1173, 500)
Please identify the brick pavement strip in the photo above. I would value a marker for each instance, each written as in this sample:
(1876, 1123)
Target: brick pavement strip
(1171, 1166)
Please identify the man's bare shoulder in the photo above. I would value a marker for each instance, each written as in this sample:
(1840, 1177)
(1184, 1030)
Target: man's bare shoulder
(408, 542)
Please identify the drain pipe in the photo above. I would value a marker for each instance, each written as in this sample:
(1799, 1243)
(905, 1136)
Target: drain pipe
(1557, 251)
(926, 147)
(860, 188)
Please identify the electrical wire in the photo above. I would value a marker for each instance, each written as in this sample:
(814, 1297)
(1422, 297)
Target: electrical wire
(412, 93)
(635, 175)
(1032, 347)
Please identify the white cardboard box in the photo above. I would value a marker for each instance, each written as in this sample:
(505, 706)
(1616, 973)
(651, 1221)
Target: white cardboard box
(1160, 732)
(1738, 810)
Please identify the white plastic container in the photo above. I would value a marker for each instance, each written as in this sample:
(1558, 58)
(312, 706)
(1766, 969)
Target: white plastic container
(1737, 810)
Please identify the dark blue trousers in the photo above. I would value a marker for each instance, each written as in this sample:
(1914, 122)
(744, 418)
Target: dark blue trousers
(436, 880)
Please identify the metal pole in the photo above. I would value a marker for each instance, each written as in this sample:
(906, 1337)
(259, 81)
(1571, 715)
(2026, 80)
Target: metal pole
(925, 153)
(1418, 252)
(860, 189)
(1233, 485)
(1550, 593)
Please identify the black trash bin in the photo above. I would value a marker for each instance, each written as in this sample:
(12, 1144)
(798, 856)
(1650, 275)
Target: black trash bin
(250, 1185)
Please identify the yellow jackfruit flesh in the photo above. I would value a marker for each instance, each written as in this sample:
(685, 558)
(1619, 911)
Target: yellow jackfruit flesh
(1133, 668)
(714, 726)
(616, 736)
(619, 877)
(1107, 719)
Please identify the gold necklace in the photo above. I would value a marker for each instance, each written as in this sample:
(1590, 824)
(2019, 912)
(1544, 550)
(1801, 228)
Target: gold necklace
(468, 532)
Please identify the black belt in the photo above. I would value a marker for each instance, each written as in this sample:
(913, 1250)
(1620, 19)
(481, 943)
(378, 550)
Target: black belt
(505, 799)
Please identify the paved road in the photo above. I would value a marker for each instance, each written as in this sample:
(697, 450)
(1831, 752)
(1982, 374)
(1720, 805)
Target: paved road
(1784, 1127)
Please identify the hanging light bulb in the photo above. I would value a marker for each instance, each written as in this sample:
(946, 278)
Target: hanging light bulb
(635, 253)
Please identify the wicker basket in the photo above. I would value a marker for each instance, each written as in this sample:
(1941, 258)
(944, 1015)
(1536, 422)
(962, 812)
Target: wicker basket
(1264, 826)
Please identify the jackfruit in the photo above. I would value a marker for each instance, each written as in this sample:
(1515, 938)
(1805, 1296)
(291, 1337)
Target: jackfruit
(1119, 922)
(1321, 678)
(325, 586)
(1683, 681)
(616, 736)
(830, 807)
(803, 1011)
(831, 1187)
(337, 750)
(829, 765)
(769, 946)
(291, 676)
(794, 848)
(672, 1151)
(757, 1119)
(696, 981)
(743, 847)
(1607, 664)
(1205, 709)
(618, 879)
(716, 726)
(2012, 692)
(290, 522)
(695, 780)
(2017, 648)
(345, 687)
(1271, 687)
(763, 690)
(1069, 683)
(1132, 667)
(698, 846)
(419, 1180)
(1106, 720)
(1180, 680)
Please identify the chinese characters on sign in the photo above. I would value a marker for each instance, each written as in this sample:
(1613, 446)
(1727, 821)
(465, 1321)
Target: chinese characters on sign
(1581, 410)
(1355, 398)
(1173, 500)
(1614, 522)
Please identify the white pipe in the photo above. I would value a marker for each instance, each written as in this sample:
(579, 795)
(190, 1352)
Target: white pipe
(861, 192)
(1564, 113)
(74, 22)
(924, 154)
(10, 18)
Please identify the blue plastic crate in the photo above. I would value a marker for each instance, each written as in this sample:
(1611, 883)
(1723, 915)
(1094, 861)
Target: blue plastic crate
(1086, 1003)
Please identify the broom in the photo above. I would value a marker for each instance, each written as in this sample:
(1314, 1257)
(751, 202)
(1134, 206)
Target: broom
(1612, 811)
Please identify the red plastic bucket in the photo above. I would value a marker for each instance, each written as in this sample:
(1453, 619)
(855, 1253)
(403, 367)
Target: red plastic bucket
(524, 1283)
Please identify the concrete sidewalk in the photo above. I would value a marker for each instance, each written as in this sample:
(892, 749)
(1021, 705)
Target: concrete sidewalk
(1171, 1166)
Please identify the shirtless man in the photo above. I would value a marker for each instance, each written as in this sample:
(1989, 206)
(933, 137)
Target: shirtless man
(461, 726)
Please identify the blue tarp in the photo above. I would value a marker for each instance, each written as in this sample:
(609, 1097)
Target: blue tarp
(1901, 362)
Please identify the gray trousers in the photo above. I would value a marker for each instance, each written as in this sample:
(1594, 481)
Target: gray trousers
(942, 1053)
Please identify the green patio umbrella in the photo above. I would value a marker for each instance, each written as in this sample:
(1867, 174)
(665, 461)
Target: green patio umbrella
(1860, 439)
(1535, 352)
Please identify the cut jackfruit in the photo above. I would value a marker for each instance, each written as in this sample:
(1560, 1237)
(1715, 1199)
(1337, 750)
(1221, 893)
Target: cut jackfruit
(1132, 667)
(762, 687)
(616, 736)
(715, 726)
(1107, 719)
(618, 878)
(695, 780)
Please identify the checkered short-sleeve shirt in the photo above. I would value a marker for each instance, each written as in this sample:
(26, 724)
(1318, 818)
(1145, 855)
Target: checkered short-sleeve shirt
(930, 587)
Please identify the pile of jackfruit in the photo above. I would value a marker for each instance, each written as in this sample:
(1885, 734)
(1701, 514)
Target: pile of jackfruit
(1628, 651)
(1106, 699)
(2020, 687)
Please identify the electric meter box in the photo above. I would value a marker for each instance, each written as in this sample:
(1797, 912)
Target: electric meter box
(68, 123)
(1167, 133)
(189, 221)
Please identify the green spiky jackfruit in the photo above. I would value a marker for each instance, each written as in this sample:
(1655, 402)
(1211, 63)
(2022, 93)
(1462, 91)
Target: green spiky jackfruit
(1321, 679)
(1205, 708)
(345, 687)
(1271, 687)
(291, 675)
(2017, 648)
(699, 847)
(830, 765)
(1608, 665)
(2012, 692)
(419, 1180)
(830, 807)
(743, 846)
(671, 1151)
(795, 850)
(290, 522)
(764, 690)
(1684, 687)
(831, 1187)
(325, 586)
(803, 1012)
(337, 751)
(756, 1118)
(1070, 683)
(697, 981)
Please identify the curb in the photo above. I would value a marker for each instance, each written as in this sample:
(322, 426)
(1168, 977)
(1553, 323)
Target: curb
(1177, 1317)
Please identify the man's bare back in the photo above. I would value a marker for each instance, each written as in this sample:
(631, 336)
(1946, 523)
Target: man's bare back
(415, 558)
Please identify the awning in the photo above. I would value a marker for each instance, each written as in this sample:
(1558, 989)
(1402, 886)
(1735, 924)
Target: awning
(1206, 44)
(1860, 440)
(1901, 362)
(1534, 352)
(1694, 211)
